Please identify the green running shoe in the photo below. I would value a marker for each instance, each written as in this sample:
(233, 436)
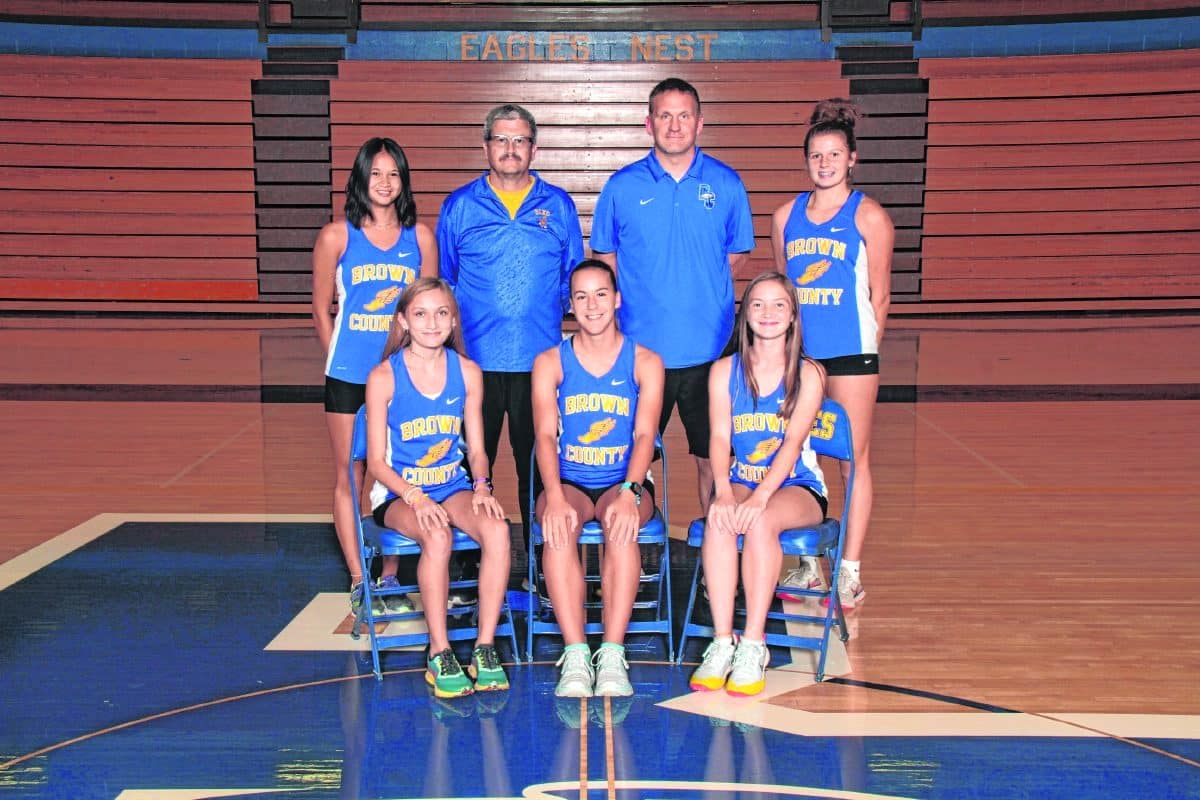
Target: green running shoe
(446, 675)
(485, 668)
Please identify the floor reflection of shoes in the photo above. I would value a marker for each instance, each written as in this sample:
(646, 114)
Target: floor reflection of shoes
(570, 711)
(620, 710)
(746, 727)
(489, 704)
(447, 709)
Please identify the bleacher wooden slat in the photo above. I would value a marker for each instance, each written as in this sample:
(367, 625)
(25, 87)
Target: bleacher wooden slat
(380, 91)
(149, 289)
(158, 203)
(1068, 245)
(115, 133)
(513, 74)
(120, 110)
(1130, 266)
(592, 16)
(82, 267)
(1036, 223)
(1009, 66)
(142, 224)
(1089, 286)
(359, 113)
(1076, 177)
(145, 157)
(1069, 84)
(243, 13)
(1158, 197)
(1020, 10)
(157, 246)
(1063, 133)
(77, 86)
(144, 180)
(1056, 155)
(98, 67)
(1184, 105)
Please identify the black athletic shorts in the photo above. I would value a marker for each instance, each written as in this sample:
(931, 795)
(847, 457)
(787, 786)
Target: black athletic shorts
(342, 397)
(861, 364)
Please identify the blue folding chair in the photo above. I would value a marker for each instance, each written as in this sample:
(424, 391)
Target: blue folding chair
(830, 437)
(374, 541)
(654, 610)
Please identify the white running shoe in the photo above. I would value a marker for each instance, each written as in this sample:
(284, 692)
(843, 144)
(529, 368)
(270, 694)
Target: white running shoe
(575, 677)
(806, 576)
(612, 674)
(749, 673)
(714, 667)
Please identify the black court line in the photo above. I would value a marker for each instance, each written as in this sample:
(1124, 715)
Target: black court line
(300, 393)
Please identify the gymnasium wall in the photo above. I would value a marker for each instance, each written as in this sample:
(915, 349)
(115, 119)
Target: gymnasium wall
(145, 165)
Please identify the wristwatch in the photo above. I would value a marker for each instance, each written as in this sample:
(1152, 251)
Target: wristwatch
(636, 488)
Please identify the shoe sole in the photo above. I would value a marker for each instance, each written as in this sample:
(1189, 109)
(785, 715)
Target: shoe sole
(617, 691)
(572, 693)
(487, 686)
(748, 690)
(439, 692)
(711, 686)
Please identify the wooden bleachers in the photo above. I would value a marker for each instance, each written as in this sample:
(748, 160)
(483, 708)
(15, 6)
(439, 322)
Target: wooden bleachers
(1023, 11)
(172, 13)
(1063, 177)
(590, 122)
(126, 179)
(565, 15)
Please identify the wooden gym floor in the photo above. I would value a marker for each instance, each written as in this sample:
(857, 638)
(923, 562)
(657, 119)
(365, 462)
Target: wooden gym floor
(1032, 627)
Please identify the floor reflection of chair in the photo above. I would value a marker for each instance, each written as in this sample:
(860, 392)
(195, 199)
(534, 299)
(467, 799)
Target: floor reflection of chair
(831, 437)
(651, 608)
(374, 541)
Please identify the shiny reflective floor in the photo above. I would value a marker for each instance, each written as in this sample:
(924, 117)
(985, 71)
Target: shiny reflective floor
(173, 613)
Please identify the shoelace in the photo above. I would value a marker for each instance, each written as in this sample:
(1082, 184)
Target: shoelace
(487, 657)
(447, 663)
(746, 655)
(605, 659)
(575, 661)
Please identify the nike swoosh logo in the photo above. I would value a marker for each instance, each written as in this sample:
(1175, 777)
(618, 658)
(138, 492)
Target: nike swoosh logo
(617, 383)
(647, 201)
(402, 255)
(451, 401)
(836, 230)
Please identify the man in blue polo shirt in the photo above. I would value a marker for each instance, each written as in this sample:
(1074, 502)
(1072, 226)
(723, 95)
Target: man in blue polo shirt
(675, 225)
(507, 242)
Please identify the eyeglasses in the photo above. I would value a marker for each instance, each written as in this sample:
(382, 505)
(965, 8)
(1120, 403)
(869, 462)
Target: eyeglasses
(516, 141)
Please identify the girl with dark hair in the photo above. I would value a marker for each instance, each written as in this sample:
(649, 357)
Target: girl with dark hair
(762, 400)
(424, 400)
(596, 402)
(835, 245)
(368, 258)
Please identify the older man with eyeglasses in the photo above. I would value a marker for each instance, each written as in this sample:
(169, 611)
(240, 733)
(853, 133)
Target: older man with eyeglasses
(508, 241)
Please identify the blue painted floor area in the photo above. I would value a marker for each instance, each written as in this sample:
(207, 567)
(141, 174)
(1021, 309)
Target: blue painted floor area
(148, 644)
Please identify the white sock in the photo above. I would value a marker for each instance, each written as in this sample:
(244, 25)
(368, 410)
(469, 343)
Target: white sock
(851, 568)
(723, 639)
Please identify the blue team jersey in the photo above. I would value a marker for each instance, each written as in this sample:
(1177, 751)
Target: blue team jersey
(827, 264)
(673, 241)
(510, 276)
(369, 282)
(596, 417)
(424, 442)
(757, 433)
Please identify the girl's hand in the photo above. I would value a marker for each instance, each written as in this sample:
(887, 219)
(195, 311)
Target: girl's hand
(721, 514)
(621, 519)
(430, 515)
(748, 511)
(559, 519)
(482, 498)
